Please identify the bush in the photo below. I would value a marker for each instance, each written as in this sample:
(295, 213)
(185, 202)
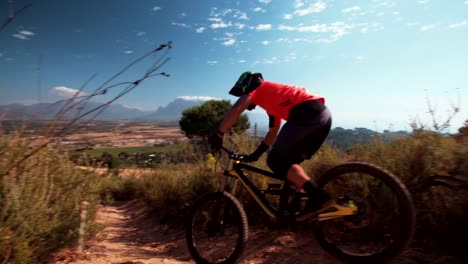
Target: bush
(417, 157)
(39, 201)
(168, 190)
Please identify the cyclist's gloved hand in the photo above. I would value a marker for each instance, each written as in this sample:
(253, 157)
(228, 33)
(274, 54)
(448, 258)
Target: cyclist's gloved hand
(216, 141)
(254, 156)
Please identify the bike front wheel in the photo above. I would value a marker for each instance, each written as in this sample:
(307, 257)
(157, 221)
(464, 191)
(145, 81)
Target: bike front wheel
(384, 222)
(216, 229)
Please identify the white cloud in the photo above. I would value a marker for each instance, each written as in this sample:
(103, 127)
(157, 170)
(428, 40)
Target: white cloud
(428, 27)
(265, 42)
(423, 1)
(259, 9)
(366, 27)
(273, 60)
(387, 3)
(299, 4)
(24, 34)
(336, 30)
(142, 33)
(242, 61)
(215, 19)
(19, 36)
(351, 9)
(466, 2)
(316, 7)
(287, 16)
(218, 18)
(239, 25)
(261, 27)
(180, 25)
(318, 28)
(457, 25)
(198, 98)
(213, 62)
(63, 91)
(128, 51)
(290, 57)
(264, 1)
(229, 42)
(220, 24)
(156, 8)
(200, 30)
(220, 13)
(241, 15)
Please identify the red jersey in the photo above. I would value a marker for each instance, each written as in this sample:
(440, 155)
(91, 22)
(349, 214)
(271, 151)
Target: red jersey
(278, 99)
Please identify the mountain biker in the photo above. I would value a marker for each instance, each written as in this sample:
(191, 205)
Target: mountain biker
(308, 123)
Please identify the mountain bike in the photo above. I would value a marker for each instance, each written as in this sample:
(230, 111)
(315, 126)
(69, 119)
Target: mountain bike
(372, 220)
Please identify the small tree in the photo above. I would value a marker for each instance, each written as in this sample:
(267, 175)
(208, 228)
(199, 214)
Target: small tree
(205, 119)
(463, 131)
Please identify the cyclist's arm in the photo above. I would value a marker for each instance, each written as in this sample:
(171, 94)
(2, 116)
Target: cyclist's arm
(233, 114)
(274, 128)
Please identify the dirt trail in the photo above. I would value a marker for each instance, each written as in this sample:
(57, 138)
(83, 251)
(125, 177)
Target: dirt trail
(131, 237)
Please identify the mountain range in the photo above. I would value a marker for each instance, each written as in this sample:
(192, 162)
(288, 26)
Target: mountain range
(47, 111)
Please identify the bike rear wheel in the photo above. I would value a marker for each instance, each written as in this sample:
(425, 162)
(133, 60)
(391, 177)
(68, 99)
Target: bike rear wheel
(216, 229)
(385, 221)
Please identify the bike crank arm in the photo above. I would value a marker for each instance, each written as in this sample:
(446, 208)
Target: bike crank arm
(340, 211)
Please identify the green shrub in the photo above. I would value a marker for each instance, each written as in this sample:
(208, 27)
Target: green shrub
(115, 188)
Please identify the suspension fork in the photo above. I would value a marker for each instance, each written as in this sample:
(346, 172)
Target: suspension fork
(229, 182)
(225, 175)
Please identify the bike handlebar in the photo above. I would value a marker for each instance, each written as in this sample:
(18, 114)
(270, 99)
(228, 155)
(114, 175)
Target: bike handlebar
(227, 150)
(232, 154)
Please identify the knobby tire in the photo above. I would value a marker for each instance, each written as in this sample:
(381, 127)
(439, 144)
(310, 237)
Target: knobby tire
(406, 214)
(232, 212)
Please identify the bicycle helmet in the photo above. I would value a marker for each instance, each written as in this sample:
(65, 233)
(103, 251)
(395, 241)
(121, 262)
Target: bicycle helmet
(246, 83)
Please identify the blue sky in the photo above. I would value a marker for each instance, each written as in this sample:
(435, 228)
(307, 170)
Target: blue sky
(375, 61)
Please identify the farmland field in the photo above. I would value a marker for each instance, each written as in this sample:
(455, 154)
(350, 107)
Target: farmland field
(131, 150)
(102, 134)
(99, 138)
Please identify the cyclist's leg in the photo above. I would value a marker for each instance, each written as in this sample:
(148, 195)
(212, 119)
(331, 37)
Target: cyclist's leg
(283, 154)
(313, 143)
(299, 140)
(307, 128)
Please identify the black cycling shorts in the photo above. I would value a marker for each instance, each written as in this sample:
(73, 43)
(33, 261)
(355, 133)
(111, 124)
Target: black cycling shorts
(305, 131)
